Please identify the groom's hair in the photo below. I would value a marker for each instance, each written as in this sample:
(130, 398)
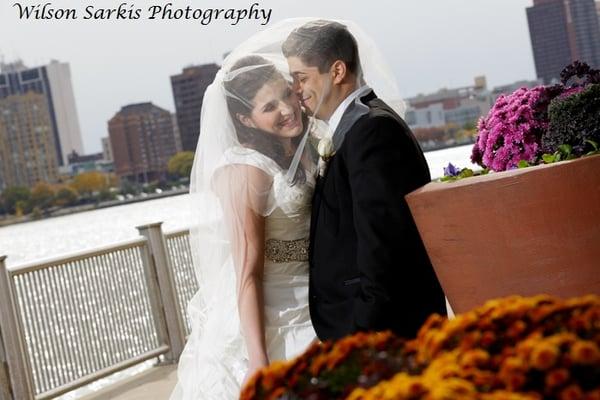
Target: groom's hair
(321, 43)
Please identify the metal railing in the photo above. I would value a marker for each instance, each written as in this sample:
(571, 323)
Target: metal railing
(69, 321)
(186, 284)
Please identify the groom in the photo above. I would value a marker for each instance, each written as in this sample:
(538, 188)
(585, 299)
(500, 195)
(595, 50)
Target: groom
(369, 270)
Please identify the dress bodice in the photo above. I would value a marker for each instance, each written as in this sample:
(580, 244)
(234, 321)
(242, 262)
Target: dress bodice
(287, 216)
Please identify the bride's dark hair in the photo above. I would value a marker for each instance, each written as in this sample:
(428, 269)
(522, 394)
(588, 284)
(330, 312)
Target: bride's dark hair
(241, 89)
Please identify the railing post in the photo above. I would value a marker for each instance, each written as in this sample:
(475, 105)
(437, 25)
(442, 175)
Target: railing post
(16, 381)
(158, 268)
(4, 382)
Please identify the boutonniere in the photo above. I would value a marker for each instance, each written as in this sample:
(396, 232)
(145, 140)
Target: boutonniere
(326, 151)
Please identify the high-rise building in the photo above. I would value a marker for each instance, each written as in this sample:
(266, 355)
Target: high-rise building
(176, 132)
(53, 81)
(27, 147)
(561, 32)
(142, 141)
(188, 93)
(107, 153)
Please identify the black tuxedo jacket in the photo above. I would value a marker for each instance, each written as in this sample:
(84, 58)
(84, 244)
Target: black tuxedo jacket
(368, 267)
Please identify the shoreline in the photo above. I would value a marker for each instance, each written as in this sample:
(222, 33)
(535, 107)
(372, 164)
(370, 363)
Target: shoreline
(11, 220)
(89, 207)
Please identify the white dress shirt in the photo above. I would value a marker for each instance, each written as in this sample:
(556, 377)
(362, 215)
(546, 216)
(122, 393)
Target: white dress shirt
(336, 117)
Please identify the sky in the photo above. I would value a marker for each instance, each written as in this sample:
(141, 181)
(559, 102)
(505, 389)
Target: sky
(429, 44)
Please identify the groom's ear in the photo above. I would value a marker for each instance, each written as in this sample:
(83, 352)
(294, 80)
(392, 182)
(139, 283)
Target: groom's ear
(339, 71)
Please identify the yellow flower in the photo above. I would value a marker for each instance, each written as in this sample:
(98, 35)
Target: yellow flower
(585, 352)
(506, 395)
(557, 377)
(451, 389)
(474, 358)
(544, 356)
(572, 392)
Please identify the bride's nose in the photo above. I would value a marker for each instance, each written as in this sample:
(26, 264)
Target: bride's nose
(286, 109)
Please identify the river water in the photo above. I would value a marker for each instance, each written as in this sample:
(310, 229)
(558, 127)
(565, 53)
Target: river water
(52, 237)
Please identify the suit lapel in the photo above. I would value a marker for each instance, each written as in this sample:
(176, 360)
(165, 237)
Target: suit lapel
(352, 114)
(347, 121)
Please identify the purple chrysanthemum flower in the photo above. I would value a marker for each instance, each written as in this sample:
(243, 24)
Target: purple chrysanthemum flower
(511, 131)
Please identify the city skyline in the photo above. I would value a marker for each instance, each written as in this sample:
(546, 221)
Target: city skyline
(53, 81)
(563, 31)
(429, 45)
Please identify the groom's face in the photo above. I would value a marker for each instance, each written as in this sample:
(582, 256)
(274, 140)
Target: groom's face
(313, 87)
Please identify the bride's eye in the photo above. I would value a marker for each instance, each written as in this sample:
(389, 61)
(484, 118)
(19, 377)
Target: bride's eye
(268, 107)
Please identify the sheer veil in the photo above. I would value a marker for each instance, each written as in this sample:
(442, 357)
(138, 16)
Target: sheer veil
(232, 174)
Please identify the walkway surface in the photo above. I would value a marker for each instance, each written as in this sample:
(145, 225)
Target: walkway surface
(156, 383)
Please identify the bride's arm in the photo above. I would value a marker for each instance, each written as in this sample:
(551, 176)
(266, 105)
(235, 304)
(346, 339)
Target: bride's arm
(243, 191)
(250, 291)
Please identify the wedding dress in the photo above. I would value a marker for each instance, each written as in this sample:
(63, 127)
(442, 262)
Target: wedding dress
(214, 361)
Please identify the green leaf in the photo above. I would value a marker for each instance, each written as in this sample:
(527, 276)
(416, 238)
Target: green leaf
(523, 164)
(548, 158)
(594, 144)
(565, 149)
(557, 156)
(465, 173)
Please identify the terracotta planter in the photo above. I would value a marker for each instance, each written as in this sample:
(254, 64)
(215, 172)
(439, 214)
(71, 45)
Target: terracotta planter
(528, 231)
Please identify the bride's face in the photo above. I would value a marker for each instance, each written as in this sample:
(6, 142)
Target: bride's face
(276, 110)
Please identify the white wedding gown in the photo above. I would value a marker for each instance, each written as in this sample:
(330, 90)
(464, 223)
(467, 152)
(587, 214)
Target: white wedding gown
(214, 362)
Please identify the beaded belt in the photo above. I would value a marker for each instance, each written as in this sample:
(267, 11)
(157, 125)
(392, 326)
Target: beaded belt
(281, 251)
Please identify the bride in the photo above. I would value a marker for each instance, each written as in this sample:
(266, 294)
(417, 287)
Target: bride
(252, 255)
(251, 188)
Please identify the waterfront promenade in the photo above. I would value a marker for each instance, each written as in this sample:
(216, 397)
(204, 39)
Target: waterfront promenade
(11, 220)
(154, 383)
(75, 319)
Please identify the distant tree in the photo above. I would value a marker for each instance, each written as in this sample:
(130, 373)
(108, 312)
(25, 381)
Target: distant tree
(42, 196)
(128, 187)
(66, 196)
(425, 134)
(89, 182)
(12, 195)
(470, 126)
(181, 164)
(21, 208)
(106, 195)
(36, 213)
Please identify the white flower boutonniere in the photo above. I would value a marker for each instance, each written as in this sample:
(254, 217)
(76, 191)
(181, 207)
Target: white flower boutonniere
(326, 151)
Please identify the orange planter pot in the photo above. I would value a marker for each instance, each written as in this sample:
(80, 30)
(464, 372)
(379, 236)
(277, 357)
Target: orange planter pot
(527, 231)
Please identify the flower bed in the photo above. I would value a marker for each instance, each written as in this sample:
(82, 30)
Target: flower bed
(513, 348)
